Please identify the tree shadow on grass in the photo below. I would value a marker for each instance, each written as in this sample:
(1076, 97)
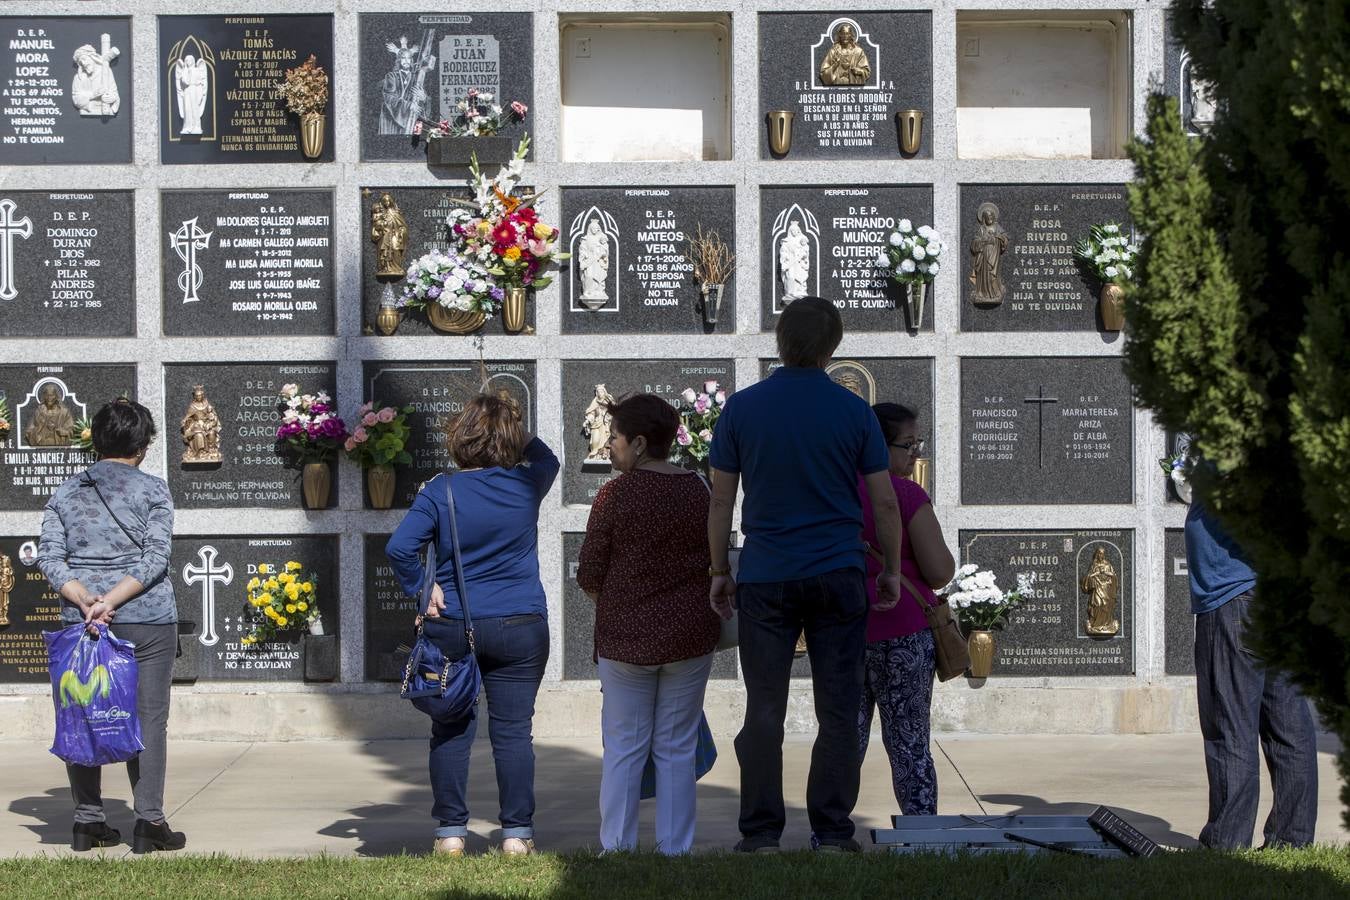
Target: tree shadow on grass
(53, 814)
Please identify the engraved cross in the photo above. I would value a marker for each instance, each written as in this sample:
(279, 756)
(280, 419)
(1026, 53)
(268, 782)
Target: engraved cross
(186, 241)
(10, 228)
(1040, 400)
(207, 574)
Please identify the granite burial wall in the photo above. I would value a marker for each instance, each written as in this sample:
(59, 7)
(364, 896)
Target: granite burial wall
(150, 245)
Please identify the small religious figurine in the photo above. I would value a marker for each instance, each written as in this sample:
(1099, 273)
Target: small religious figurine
(201, 430)
(986, 254)
(52, 425)
(403, 95)
(1102, 586)
(596, 427)
(794, 263)
(6, 585)
(389, 231)
(846, 63)
(593, 261)
(1203, 107)
(191, 81)
(94, 91)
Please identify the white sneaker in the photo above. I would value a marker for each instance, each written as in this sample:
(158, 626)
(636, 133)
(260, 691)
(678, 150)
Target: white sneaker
(449, 846)
(517, 846)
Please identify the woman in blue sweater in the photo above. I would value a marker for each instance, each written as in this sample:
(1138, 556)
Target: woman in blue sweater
(502, 477)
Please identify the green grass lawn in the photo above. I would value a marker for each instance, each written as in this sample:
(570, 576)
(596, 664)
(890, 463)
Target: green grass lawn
(1304, 874)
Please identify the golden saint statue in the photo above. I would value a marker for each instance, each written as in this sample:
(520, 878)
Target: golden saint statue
(201, 429)
(6, 585)
(52, 425)
(846, 63)
(389, 231)
(1103, 586)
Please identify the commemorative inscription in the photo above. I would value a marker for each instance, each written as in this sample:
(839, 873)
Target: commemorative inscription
(1046, 431)
(389, 614)
(824, 242)
(217, 87)
(65, 90)
(1078, 618)
(245, 262)
(67, 264)
(244, 397)
(28, 607)
(1178, 620)
(630, 271)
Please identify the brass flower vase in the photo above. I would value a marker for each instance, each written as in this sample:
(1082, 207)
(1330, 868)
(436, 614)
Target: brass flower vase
(1112, 305)
(980, 643)
(380, 486)
(454, 321)
(780, 131)
(909, 124)
(923, 467)
(513, 308)
(311, 134)
(712, 303)
(317, 480)
(387, 319)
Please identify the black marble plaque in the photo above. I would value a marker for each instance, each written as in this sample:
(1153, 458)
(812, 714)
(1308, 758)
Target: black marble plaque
(648, 284)
(579, 624)
(1046, 430)
(621, 377)
(419, 65)
(247, 262)
(28, 607)
(246, 400)
(846, 121)
(210, 581)
(67, 264)
(1044, 287)
(1048, 634)
(217, 87)
(1178, 620)
(424, 210)
(437, 392)
(65, 90)
(1198, 108)
(40, 450)
(842, 230)
(389, 614)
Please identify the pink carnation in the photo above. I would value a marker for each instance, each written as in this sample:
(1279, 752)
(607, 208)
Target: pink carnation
(386, 414)
(519, 108)
(369, 419)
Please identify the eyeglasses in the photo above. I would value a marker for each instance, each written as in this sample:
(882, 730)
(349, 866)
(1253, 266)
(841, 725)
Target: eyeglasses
(915, 446)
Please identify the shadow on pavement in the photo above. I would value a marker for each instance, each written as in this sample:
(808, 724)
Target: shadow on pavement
(1157, 828)
(54, 812)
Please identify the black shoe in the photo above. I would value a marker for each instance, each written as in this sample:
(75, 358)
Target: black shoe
(835, 845)
(88, 835)
(151, 836)
(757, 844)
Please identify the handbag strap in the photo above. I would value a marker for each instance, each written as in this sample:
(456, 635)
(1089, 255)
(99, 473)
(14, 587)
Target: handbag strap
(878, 557)
(459, 565)
(89, 479)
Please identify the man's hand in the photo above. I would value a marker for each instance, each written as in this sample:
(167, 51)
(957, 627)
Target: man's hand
(722, 596)
(888, 591)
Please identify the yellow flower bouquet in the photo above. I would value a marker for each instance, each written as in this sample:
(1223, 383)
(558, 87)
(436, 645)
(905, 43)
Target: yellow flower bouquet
(280, 600)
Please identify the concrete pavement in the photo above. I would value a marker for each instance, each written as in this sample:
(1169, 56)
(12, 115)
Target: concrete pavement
(371, 797)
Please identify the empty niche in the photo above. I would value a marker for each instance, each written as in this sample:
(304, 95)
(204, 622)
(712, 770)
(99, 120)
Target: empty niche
(638, 87)
(1042, 85)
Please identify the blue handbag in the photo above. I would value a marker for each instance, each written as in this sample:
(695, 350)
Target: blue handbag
(445, 689)
(705, 756)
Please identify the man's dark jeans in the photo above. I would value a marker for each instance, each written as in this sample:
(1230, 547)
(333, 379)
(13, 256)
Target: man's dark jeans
(832, 608)
(1241, 701)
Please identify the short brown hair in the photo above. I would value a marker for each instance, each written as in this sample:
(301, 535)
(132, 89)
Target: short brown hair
(488, 432)
(647, 415)
(808, 332)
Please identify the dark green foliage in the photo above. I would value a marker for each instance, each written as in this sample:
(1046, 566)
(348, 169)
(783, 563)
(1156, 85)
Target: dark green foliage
(1240, 326)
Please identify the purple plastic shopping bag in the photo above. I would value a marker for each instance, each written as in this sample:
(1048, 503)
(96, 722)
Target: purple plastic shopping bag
(94, 689)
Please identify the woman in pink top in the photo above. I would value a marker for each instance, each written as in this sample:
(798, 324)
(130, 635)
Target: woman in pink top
(899, 667)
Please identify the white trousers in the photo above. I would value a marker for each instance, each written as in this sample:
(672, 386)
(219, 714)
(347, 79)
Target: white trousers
(650, 711)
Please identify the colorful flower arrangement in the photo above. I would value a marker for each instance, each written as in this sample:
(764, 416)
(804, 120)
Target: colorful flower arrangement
(310, 430)
(280, 601)
(477, 115)
(912, 254)
(451, 280)
(699, 413)
(305, 89)
(380, 436)
(977, 601)
(503, 232)
(1107, 254)
(4, 419)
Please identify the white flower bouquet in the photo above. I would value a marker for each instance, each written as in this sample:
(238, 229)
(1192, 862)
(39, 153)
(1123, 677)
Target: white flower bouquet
(911, 254)
(451, 280)
(1108, 254)
(1177, 469)
(977, 601)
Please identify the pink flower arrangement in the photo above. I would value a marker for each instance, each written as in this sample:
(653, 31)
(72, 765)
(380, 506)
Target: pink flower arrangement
(699, 412)
(477, 115)
(380, 437)
(310, 429)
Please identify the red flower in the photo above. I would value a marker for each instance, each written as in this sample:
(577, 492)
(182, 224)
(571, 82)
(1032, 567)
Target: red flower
(527, 214)
(504, 235)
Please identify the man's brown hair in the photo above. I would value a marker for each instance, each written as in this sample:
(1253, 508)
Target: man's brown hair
(808, 332)
(487, 433)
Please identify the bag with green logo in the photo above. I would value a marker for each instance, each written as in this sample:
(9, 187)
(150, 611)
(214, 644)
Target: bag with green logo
(94, 689)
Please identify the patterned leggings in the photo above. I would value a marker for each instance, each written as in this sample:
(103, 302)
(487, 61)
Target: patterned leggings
(899, 682)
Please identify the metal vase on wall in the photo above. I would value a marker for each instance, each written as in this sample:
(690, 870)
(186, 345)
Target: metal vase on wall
(916, 300)
(780, 131)
(311, 134)
(513, 308)
(909, 122)
(712, 303)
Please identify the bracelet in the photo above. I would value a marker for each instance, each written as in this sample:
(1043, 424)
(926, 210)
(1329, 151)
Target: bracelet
(718, 573)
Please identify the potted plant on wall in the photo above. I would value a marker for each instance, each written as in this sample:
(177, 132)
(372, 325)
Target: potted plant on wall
(280, 604)
(377, 443)
(1110, 258)
(699, 412)
(911, 259)
(472, 132)
(981, 608)
(713, 264)
(305, 91)
(309, 436)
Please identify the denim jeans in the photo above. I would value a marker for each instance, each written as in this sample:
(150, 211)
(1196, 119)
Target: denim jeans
(1242, 702)
(512, 653)
(832, 609)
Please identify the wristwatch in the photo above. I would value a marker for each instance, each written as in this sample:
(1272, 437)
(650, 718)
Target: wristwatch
(717, 573)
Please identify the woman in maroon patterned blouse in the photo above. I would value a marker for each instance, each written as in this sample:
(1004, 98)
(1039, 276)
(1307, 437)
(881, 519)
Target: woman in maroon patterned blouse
(645, 563)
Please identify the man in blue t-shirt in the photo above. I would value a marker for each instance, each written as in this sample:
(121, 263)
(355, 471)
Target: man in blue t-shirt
(798, 442)
(1241, 701)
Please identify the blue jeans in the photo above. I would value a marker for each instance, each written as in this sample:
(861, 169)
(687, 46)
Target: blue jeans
(1242, 702)
(512, 653)
(832, 610)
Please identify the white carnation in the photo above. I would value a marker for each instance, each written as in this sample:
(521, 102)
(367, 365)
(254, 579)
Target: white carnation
(1112, 271)
(933, 269)
(918, 252)
(935, 248)
(906, 226)
(896, 239)
(906, 266)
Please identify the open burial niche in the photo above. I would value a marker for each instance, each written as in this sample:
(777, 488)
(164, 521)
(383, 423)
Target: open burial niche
(1042, 85)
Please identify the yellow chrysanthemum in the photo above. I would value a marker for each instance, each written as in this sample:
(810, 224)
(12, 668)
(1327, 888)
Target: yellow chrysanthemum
(264, 599)
(272, 584)
(307, 587)
(264, 568)
(285, 578)
(269, 612)
(253, 584)
(512, 254)
(290, 609)
(282, 621)
(292, 592)
(302, 606)
(292, 566)
(483, 226)
(247, 639)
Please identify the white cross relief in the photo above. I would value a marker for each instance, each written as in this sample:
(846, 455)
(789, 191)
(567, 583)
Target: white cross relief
(10, 227)
(208, 574)
(186, 241)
